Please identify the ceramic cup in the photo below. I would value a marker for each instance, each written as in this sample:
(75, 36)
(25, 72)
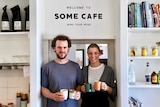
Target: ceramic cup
(97, 85)
(72, 93)
(65, 93)
(88, 87)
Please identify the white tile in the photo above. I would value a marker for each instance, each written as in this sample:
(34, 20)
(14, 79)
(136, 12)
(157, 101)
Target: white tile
(11, 82)
(3, 93)
(3, 78)
(12, 93)
(13, 101)
(3, 101)
(13, 79)
(24, 83)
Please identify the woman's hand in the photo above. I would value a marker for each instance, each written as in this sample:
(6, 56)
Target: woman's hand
(83, 88)
(104, 86)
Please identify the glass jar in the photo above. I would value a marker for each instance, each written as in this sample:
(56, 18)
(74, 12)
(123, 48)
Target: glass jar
(144, 51)
(133, 51)
(154, 51)
(23, 96)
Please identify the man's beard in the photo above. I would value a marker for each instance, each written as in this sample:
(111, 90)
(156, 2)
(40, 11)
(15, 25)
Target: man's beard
(61, 57)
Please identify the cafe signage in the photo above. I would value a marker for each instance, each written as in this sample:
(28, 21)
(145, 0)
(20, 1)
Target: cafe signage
(76, 17)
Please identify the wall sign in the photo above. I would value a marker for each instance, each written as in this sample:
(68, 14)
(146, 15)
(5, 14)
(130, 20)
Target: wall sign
(77, 17)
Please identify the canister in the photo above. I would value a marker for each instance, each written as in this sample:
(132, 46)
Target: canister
(24, 101)
(133, 51)
(154, 51)
(18, 99)
(144, 51)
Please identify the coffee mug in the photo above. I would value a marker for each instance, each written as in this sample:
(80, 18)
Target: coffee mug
(88, 87)
(72, 93)
(65, 93)
(97, 85)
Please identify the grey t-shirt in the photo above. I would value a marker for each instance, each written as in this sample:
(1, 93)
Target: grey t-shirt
(56, 76)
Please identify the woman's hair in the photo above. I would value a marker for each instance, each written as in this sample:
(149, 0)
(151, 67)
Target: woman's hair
(93, 45)
(61, 37)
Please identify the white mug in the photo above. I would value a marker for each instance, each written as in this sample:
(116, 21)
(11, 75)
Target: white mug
(64, 92)
(72, 93)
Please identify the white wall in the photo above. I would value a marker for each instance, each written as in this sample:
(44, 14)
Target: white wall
(97, 28)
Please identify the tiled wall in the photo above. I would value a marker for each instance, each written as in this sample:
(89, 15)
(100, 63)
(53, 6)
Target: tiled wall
(11, 82)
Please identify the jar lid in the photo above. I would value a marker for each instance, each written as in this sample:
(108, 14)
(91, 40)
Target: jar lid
(133, 47)
(154, 47)
(18, 94)
(143, 47)
(24, 96)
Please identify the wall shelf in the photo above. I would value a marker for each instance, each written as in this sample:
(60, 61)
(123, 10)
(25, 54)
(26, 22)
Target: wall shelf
(25, 33)
(14, 33)
(14, 64)
(145, 57)
(141, 36)
(144, 85)
(133, 30)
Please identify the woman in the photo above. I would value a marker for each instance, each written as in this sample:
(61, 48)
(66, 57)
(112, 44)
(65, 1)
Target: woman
(101, 72)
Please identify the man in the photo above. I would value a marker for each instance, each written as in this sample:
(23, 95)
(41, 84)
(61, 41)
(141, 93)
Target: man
(61, 73)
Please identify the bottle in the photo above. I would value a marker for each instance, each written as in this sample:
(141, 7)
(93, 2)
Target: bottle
(154, 79)
(16, 19)
(18, 100)
(26, 9)
(131, 74)
(158, 77)
(148, 74)
(24, 99)
(5, 20)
